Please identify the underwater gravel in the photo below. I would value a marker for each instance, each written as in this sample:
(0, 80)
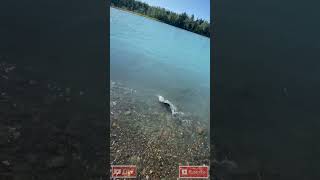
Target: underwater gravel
(148, 136)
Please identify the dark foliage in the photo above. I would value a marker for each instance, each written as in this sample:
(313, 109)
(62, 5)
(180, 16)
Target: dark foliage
(183, 21)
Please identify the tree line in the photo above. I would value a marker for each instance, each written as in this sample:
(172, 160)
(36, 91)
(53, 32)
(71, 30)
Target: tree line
(182, 20)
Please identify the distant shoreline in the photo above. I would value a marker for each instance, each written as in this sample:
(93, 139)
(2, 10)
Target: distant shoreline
(139, 14)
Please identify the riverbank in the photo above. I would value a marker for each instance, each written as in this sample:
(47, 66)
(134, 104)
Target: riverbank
(144, 133)
(139, 14)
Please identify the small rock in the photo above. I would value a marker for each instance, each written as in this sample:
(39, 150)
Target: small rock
(200, 130)
(114, 125)
(134, 159)
(127, 113)
(143, 172)
(81, 93)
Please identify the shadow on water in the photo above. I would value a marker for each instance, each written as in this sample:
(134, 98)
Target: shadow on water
(266, 73)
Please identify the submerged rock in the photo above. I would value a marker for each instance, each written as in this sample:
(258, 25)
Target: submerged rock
(135, 160)
(127, 113)
(200, 130)
(114, 125)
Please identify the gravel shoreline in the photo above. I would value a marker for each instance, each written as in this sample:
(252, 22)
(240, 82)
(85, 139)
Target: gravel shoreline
(147, 135)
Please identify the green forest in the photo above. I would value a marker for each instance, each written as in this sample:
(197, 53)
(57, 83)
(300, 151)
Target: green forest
(183, 20)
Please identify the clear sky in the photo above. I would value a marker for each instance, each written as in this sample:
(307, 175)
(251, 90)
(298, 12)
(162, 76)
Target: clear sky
(199, 8)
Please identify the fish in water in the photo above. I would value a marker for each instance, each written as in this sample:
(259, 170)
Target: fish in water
(170, 105)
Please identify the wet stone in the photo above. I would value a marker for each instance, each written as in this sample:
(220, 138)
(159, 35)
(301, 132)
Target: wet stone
(134, 160)
(200, 130)
(114, 125)
(127, 113)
